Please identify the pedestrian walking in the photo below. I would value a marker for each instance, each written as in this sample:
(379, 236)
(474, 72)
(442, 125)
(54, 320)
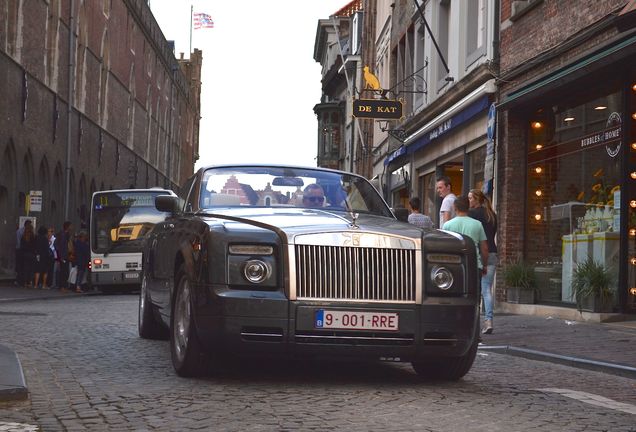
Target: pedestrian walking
(446, 210)
(464, 224)
(28, 251)
(416, 217)
(64, 246)
(481, 209)
(43, 258)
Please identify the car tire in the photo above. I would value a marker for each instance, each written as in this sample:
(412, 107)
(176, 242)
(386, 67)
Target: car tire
(149, 327)
(448, 368)
(188, 357)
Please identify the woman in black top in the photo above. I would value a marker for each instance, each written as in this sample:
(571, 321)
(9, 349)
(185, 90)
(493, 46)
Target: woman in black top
(28, 251)
(481, 209)
(43, 257)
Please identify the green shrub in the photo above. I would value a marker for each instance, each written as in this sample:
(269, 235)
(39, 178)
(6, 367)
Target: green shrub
(591, 279)
(519, 274)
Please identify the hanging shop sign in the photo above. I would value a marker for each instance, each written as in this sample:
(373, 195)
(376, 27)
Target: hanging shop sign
(377, 109)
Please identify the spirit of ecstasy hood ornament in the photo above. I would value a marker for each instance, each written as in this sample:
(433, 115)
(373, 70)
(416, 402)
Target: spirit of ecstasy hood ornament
(354, 219)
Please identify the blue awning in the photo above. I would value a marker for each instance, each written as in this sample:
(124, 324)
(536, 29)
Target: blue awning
(437, 131)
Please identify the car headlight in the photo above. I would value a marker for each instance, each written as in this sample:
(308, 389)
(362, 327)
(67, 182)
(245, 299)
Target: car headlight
(252, 266)
(442, 277)
(256, 271)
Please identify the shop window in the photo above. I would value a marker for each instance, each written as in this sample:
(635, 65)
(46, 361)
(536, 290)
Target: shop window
(630, 198)
(477, 162)
(574, 187)
(429, 197)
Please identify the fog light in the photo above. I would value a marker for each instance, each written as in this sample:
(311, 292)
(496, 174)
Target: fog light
(256, 271)
(442, 278)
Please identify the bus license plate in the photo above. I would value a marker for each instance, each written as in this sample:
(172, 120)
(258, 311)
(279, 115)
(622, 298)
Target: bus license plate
(131, 275)
(350, 320)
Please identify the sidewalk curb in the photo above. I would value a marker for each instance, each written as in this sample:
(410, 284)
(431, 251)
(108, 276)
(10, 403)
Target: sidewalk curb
(48, 297)
(577, 362)
(12, 382)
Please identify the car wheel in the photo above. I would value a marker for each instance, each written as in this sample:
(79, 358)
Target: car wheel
(188, 358)
(149, 327)
(448, 368)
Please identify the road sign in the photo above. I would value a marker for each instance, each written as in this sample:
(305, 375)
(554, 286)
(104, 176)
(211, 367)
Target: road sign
(492, 118)
(377, 108)
(35, 201)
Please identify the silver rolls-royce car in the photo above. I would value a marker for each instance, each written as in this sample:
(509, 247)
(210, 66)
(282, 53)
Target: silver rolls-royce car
(291, 261)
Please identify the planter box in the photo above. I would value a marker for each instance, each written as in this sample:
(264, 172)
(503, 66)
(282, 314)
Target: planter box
(520, 295)
(593, 304)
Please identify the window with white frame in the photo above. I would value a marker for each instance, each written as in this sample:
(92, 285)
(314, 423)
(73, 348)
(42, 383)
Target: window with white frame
(443, 28)
(476, 32)
(419, 79)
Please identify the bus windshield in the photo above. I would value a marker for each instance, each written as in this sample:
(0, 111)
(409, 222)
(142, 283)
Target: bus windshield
(120, 220)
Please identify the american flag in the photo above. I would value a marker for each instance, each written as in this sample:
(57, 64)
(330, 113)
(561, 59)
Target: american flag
(202, 20)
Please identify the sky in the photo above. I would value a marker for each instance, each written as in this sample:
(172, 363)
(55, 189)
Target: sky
(259, 78)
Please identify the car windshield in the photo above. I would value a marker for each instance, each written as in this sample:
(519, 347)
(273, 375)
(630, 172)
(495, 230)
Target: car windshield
(225, 187)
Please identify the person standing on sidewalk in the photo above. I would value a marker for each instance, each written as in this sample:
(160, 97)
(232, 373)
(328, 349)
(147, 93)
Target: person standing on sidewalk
(19, 261)
(82, 258)
(481, 209)
(54, 267)
(447, 210)
(64, 245)
(28, 251)
(43, 258)
(416, 217)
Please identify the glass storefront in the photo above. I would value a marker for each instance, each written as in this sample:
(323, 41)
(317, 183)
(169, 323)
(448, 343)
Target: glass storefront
(575, 166)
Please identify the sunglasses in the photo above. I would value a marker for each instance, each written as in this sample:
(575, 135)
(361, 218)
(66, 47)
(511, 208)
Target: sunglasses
(315, 199)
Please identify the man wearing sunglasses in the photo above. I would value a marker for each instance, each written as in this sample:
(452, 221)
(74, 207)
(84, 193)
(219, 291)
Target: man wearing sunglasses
(313, 196)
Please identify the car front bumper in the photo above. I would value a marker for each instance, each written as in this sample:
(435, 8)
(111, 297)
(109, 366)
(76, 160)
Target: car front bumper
(256, 323)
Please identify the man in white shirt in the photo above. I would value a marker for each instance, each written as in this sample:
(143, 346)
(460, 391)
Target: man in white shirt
(447, 210)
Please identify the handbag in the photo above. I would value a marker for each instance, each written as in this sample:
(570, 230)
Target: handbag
(72, 275)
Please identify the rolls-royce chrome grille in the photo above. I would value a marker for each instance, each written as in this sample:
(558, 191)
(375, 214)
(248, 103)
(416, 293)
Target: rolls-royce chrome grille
(370, 274)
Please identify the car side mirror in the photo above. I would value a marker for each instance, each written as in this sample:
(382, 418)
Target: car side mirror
(167, 203)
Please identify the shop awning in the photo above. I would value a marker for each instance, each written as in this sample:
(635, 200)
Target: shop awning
(441, 128)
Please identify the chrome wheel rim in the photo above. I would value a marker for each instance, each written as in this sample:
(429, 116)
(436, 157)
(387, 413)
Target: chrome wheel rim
(182, 320)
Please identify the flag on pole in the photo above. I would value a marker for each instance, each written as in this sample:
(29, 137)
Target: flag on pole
(202, 20)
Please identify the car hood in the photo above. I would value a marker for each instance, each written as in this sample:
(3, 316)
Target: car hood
(294, 222)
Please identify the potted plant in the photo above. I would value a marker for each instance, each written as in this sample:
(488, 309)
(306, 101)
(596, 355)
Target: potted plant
(520, 282)
(592, 286)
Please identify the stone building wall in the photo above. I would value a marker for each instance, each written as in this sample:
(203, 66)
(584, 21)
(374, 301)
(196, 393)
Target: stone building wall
(134, 117)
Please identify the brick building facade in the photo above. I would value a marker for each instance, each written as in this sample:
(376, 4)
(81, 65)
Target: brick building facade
(567, 143)
(134, 115)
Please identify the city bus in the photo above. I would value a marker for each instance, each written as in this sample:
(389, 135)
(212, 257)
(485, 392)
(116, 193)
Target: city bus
(120, 220)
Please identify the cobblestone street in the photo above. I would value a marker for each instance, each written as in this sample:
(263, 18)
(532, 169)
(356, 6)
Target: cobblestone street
(87, 369)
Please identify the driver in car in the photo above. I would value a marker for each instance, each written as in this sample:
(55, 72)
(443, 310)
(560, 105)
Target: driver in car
(313, 196)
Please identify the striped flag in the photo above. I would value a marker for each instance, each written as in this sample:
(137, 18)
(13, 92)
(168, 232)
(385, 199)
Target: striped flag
(202, 20)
